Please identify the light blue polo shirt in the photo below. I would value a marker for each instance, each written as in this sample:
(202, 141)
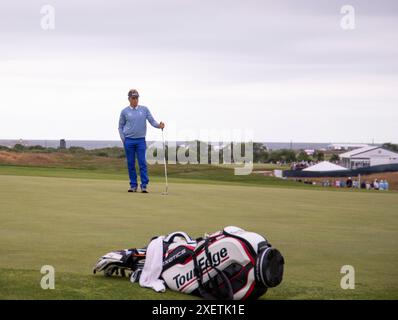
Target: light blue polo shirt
(132, 122)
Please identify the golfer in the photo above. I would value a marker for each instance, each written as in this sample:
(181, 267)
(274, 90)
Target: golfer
(132, 130)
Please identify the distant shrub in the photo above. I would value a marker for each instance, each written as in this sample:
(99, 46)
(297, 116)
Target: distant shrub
(101, 154)
(76, 149)
(319, 155)
(4, 148)
(285, 155)
(114, 152)
(37, 147)
(303, 156)
(19, 147)
(390, 146)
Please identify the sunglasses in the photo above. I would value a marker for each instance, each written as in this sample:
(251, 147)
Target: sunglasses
(134, 97)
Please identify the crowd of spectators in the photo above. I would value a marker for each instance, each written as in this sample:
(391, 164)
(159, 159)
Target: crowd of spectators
(302, 165)
(376, 184)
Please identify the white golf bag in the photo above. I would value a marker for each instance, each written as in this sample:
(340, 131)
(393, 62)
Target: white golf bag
(229, 264)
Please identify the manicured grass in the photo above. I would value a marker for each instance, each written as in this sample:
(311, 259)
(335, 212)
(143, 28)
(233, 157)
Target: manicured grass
(70, 223)
(177, 173)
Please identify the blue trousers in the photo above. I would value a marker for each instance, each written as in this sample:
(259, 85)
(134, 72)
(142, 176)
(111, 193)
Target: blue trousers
(133, 148)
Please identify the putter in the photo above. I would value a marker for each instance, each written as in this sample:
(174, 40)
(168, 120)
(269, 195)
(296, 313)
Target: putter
(166, 192)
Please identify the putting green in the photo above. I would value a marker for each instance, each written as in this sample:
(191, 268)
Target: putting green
(69, 223)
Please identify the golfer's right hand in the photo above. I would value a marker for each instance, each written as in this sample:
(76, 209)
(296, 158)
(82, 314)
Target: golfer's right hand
(161, 125)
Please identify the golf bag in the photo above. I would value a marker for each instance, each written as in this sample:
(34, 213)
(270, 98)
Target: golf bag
(229, 264)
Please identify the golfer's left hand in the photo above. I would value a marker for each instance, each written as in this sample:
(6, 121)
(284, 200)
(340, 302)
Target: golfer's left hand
(161, 125)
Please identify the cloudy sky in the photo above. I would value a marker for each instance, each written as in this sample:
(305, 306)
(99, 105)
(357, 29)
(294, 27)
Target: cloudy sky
(279, 70)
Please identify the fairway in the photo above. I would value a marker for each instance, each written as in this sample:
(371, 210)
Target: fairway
(69, 223)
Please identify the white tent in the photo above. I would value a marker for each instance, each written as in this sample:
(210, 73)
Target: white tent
(324, 166)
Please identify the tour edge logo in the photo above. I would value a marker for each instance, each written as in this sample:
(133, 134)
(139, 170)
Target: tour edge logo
(204, 263)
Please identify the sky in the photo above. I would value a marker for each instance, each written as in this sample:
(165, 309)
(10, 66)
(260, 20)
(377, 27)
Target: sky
(281, 70)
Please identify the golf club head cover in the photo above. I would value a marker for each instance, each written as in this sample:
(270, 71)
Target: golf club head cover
(119, 261)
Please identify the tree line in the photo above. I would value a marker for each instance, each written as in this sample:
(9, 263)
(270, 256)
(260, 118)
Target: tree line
(260, 153)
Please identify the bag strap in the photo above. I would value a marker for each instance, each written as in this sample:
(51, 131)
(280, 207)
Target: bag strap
(170, 237)
(199, 274)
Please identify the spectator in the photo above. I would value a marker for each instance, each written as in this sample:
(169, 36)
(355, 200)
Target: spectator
(376, 184)
(327, 183)
(343, 184)
(363, 185)
(349, 182)
(386, 184)
(355, 184)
